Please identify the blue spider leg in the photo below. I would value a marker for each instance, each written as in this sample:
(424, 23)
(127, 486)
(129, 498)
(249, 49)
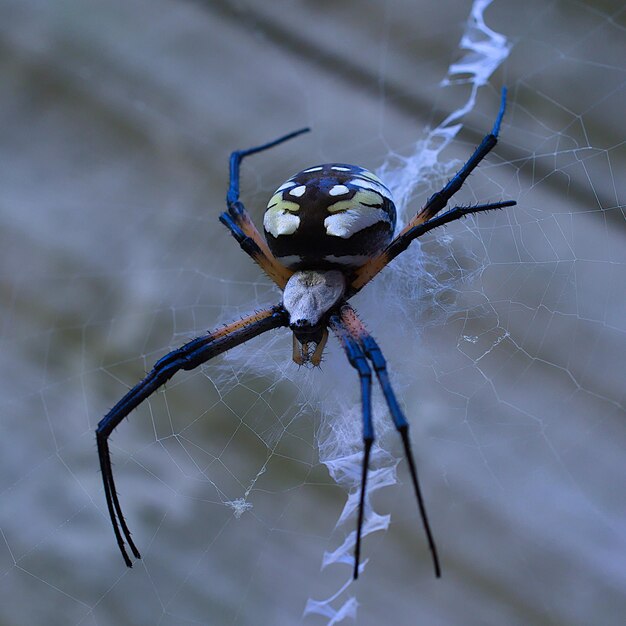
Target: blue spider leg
(357, 359)
(257, 249)
(434, 205)
(232, 197)
(496, 126)
(187, 357)
(440, 199)
(370, 347)
(400, 244)
(241, 226)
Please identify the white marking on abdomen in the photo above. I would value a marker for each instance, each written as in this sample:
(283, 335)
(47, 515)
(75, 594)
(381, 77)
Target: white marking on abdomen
(279, 222)
(313, 169)
(290, 259)
(354, 260)
(347, 223)
(377, 187)
(298, 191)
(338, 190)
(286, 185)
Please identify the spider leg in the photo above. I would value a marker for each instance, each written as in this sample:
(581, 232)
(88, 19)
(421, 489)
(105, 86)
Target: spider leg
(187, 357)
(241, 226)
(359, 362)
(359, 333)
(400, 244)
(440, 199)
(435, 203)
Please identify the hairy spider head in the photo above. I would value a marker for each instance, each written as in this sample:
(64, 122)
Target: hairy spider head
(308, 296)
(329, 216)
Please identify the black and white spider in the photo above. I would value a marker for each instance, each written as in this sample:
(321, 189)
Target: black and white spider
(329, 231)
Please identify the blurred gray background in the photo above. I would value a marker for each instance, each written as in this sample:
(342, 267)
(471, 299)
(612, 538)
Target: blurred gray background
(116, 121)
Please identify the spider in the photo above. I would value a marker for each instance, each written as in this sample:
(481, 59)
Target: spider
(329, 231)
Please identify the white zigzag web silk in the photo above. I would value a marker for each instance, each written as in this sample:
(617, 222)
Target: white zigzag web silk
(484, 51)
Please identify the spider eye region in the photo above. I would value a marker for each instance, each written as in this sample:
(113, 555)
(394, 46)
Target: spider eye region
(329, 216)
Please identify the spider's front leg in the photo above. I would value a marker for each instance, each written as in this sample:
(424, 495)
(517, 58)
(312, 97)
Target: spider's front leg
(424, 220)
(358, 344)
(241, 226)
(187, 357)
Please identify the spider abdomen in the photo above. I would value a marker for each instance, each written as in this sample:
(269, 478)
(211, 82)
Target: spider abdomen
(329, 216)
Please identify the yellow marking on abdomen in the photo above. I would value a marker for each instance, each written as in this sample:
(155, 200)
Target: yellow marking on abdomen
(279, 218)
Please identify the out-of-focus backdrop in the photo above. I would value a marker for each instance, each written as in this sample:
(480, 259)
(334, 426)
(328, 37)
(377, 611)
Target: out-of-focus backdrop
(116, 121)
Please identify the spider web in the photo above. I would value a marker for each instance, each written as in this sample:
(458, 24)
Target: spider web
(504, 335)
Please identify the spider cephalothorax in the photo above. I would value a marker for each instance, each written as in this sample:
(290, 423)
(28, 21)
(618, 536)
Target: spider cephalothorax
(329, 231)
(308, 298)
